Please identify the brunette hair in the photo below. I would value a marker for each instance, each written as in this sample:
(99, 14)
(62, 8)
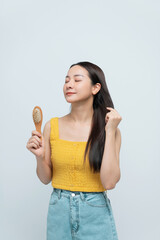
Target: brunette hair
(96, 140)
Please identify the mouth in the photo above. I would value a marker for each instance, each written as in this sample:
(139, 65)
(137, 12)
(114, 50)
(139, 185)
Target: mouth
(69, 93)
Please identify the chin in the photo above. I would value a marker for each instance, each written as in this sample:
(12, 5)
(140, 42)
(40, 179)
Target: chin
(70, 101)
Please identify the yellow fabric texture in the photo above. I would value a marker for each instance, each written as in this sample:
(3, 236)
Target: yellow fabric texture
(69, 172)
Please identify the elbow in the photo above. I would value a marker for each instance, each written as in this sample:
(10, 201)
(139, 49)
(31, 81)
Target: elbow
(112, 185)
(109, 186)
(46, 183)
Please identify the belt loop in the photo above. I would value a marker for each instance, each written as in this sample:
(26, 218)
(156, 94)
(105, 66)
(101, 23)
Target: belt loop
(59, 193)
(106, 197)
(82, 196)
(105, 194)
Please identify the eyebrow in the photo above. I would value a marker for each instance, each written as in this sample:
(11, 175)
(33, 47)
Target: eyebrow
(76, 75)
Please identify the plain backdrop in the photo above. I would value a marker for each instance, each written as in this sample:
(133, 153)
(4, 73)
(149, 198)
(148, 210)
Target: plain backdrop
(39, 40)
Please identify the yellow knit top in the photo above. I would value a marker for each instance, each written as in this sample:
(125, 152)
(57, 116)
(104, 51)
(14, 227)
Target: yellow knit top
(67, 158)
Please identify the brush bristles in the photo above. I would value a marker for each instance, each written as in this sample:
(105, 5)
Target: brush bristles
(37, 115)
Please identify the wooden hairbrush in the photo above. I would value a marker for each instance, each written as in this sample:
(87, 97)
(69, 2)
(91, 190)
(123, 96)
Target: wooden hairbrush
(37, 118)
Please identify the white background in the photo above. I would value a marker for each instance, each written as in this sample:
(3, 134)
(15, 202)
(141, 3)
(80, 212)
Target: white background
(39, 40)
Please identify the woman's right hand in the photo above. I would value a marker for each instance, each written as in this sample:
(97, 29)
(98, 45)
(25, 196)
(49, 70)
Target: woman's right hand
(36, 145)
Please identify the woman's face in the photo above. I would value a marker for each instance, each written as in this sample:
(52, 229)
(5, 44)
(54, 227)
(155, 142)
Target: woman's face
(78, 82)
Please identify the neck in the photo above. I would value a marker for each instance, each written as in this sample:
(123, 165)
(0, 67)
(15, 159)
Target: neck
(81, 115)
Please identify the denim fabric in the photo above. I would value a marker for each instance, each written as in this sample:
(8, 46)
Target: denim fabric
(76, 215)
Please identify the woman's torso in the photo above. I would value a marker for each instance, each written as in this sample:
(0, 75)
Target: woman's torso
(68, 142)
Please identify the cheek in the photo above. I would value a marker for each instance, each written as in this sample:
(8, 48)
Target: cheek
(85, 89)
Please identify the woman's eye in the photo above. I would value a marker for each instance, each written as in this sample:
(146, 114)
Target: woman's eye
(75, 80)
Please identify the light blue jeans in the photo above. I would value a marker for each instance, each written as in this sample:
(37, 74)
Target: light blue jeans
(76, 215)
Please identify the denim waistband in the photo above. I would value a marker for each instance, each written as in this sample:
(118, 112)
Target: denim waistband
(68, 193)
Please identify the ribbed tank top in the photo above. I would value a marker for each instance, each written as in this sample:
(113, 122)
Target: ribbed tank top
(67, 158)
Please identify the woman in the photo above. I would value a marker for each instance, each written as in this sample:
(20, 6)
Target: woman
(79, 155)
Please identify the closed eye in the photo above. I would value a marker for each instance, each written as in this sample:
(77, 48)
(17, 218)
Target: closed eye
(75, 81)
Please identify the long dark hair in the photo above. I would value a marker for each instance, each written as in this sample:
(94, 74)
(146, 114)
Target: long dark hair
(96, 140)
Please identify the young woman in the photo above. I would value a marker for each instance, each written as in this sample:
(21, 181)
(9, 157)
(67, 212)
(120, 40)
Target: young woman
(79, 155)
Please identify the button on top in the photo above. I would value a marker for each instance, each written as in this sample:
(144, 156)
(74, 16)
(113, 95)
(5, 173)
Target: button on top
(73, 194)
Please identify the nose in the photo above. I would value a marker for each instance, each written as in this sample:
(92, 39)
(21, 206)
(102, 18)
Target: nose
(70, 84)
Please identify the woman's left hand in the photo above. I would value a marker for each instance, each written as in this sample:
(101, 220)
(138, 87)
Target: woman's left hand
(112, 119)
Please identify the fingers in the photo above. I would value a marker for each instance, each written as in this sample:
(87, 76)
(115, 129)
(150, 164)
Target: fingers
(37, 135)
(113, 112)
(34, 132)
(35, 141)
(31, 145)
(32, 148)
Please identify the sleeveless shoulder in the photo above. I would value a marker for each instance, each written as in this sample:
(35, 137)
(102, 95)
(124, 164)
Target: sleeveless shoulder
(54, 128)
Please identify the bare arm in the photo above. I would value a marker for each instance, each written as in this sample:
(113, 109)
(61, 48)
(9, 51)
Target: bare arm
(44, 166)
(110, 170)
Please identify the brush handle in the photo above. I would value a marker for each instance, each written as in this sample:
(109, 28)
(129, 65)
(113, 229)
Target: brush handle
(38, 128)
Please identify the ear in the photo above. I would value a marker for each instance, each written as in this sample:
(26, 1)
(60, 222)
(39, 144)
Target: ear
(96, 88)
